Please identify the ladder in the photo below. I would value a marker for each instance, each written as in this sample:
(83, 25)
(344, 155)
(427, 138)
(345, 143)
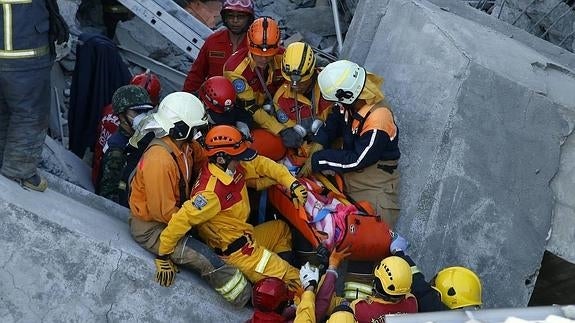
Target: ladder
(172, 21)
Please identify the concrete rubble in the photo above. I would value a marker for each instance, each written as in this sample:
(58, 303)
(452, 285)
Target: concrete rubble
(483, 121)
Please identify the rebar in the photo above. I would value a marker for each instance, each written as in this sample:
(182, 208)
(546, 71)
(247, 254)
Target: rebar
(564, 39)
(570, 9)
(501, 10)
(544, 16)
(522, 12)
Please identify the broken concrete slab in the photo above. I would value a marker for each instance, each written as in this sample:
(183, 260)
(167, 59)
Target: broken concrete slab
(66, 261)
(482, 118)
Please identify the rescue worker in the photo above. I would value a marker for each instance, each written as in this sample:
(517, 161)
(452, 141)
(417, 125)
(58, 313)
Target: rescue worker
(300, 108)
(255, 71)
(163, 181)
(237, 16)
(29, 30)
(369, 155)
(452, 287)
(271, 296)
(219, 208)
(391, 292)
(110, 122)
(130, 103)
(219, 96)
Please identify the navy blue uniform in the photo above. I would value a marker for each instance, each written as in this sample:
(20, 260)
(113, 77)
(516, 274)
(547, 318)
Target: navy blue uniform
(25, 62)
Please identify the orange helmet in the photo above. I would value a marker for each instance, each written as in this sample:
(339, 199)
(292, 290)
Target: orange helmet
(264, 37)
(227, 141)
(267, 144)
(151, 83)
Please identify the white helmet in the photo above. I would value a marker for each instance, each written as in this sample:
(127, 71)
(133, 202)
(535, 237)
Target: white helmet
(180, 107)
(341, 81)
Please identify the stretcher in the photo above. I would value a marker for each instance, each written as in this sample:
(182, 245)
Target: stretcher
(330, 218)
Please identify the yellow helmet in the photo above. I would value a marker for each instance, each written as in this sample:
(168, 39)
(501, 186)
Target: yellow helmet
(342, 314)
(394, 275)
(298, 62)
(459, 287)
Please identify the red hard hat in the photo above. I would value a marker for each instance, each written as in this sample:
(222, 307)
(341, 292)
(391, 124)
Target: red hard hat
(151, 83)
(218, 94)
(270, 294)
(267, 144)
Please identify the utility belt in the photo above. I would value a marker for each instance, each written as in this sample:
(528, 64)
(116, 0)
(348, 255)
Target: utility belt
(388, 166)
(25, 53)
(236, 245)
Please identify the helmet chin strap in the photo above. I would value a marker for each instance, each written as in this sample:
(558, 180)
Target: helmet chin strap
(222, 160)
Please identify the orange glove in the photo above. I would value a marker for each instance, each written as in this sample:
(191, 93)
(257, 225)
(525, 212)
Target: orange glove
(337, 257)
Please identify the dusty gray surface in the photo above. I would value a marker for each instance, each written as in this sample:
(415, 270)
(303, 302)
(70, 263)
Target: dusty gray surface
(64, 261)
(482, 118)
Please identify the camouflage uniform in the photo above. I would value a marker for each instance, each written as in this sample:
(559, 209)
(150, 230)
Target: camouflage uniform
(112, 164)
(129, 97)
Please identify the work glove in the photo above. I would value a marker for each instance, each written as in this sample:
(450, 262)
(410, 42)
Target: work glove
(308, 275)
(337, 257)
(305, 170)
(298, 194)
(322, 253)
(398, 243)
(165, 270)
(244, 129)
(293, 137)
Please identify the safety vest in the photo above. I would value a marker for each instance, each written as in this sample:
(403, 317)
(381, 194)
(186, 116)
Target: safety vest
(25, 34)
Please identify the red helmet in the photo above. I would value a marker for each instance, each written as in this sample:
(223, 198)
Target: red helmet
(246, 6)
(218, 94)
(151, 83)
(270, 294)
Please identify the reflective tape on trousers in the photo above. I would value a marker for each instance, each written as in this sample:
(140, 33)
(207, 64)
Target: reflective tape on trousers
(234, 287)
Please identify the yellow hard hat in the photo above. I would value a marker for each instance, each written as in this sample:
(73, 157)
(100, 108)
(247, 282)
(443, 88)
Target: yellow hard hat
(298, 62)
(459, 287)
(342, 314)
(394, 274)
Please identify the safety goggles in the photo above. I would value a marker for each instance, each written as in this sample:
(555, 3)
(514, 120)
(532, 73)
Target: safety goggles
(240, 3)
(181, 131)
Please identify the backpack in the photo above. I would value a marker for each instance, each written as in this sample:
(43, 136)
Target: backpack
(133, 156)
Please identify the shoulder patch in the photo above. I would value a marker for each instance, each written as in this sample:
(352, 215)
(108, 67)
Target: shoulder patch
(200, 201)
(281, 116)
(239, 85)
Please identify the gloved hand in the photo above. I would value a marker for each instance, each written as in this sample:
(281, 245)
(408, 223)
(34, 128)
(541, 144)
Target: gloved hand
(309, 276)
(165, 270)
(322, 253)
(293, 137)
(398, 243)
(337, 257)
(305, 170)
(244, 129)
(298, 194)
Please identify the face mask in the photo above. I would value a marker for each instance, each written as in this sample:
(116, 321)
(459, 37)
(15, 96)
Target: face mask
(230, 172)
(138, 119)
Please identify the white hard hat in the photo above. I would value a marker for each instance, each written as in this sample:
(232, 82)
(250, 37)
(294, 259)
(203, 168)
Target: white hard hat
(181, 106)
(341, 81)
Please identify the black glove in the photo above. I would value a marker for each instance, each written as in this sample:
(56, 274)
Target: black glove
(291, 137)
(322, 255)
(59, 30)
